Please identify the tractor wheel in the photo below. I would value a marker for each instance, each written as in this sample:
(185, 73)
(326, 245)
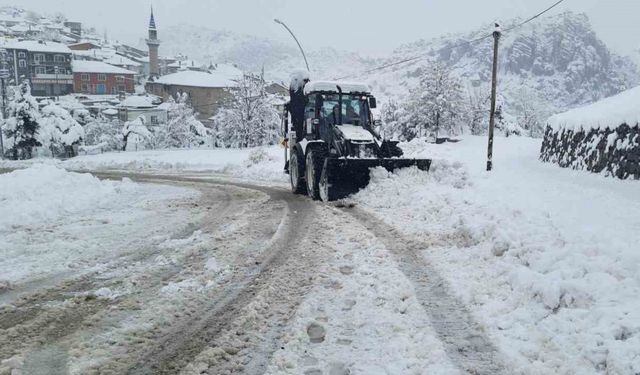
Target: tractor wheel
(327, 192)
(314, 165)
(296, 172)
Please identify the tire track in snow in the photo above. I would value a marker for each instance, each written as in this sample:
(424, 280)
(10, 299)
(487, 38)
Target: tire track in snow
(464, 339)
(30, 321)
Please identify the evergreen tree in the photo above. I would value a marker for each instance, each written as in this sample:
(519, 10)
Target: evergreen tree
(21, 125)
(59, 130)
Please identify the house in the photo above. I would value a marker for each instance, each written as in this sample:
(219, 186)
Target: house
(207, 90)
(47, 65)
(95, 77)
(75, 28)
(83, 46)
(124, 63)
(186, 64)
(134, 106)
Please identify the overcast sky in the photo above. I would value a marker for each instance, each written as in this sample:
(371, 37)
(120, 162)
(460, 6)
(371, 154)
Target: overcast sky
(370, 26)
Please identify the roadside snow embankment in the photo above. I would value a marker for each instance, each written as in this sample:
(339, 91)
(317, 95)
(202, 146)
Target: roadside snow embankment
(54, 222)
(44, 193)
(547, 258)
(261, 163)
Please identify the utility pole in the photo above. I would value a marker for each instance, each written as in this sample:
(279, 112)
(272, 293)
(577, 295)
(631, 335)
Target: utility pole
(4, 74)
(494, 84)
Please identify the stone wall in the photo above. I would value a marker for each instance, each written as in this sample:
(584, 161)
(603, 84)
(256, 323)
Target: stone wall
(614, 152)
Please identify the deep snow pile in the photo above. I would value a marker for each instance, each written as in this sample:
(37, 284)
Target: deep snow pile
(547, 258)
(53, 222)
(261, 163)
(44, 193)
(607, 113)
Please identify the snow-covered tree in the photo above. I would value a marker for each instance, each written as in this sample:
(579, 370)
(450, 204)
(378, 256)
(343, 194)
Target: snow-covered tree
(135, 128)
(435, 105)
(531, 111)
(20, 128)
(249, 119)
(477, 109)
(102, 131)
(59, 130)
(182, 129)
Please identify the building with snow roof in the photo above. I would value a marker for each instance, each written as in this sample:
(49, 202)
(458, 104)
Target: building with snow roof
(99, 78)
(46, 65)
(135, 106)
(207, 90)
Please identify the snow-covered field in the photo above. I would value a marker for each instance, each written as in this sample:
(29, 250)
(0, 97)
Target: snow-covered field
(545, 257)
(54, 223)
(264, 163)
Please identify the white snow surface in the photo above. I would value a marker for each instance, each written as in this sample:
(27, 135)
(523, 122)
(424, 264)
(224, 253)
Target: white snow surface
(347, 87)
(37, 46)
(256, 164)
(82, 66)
(611, 112)
(356, 133)
(53, 221)
(191, 78)
(136, 101)
(545, 257)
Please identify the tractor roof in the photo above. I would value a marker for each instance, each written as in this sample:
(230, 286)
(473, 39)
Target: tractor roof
(332, 86)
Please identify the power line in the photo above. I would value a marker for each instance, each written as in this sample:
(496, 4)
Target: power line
(468, 42)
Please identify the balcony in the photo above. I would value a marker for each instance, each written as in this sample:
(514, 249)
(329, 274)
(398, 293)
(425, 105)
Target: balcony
(53, 76)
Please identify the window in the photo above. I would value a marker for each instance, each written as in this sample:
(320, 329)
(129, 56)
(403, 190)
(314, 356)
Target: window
(84, 77)
(84, 87)
(154, 120)
(39, 58)
(41, 70)
(102, 77)
(22, 54)
(59, 58)
(120, 78)
(22, 63)
(122, 88)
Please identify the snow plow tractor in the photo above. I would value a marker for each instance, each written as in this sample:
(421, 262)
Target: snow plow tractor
(331, 144)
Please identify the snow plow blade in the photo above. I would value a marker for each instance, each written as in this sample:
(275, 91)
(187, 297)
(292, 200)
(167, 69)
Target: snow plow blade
(348, 176)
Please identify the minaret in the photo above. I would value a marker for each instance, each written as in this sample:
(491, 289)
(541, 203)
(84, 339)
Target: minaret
(153, 43)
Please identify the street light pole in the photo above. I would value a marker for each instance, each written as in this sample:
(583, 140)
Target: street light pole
(296, 39)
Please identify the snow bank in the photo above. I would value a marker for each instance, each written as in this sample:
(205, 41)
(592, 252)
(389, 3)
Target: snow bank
(607, 113)
(260, 163)
(56, 224)
(44, 193)
(545, 257)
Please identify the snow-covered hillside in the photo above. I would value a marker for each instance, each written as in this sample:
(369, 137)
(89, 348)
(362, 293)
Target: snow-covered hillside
(552, 64)
(252, 53)
(548, 66)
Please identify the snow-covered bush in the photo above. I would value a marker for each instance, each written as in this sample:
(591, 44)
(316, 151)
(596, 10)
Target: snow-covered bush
(59, 130)
(134, 129)
(102, 131)
(182, 129)
(20, 129)
(249, 119)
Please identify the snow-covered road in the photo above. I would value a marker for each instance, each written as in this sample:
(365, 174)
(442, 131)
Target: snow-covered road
(254, 280)
(528, 270)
